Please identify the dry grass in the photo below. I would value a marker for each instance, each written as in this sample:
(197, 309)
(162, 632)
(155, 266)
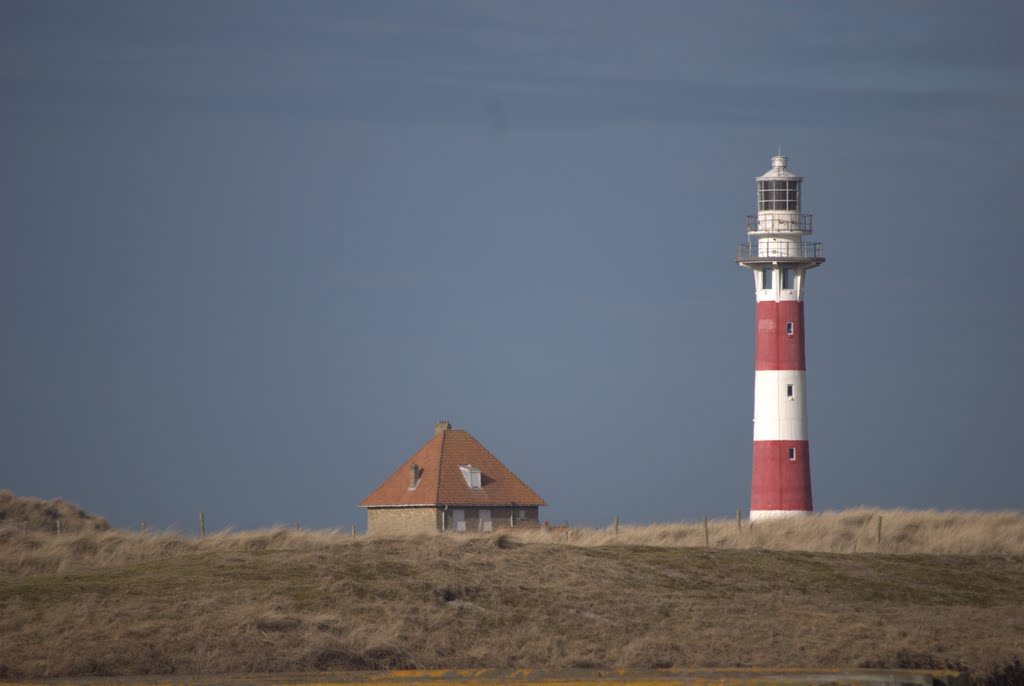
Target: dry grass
(849, 531)
(119, 603)
(42, 515)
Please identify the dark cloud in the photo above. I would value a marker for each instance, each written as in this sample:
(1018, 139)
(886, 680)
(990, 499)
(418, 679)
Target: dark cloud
(269, 244)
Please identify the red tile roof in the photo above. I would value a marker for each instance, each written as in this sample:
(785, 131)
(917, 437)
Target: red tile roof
(441, 481)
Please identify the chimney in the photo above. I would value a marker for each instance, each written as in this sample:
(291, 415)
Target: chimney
(414, 476)
(442, 425)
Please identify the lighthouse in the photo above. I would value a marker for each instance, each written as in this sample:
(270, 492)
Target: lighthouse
(778, 252)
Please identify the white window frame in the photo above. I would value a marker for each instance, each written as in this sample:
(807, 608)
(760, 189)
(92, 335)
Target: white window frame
(472, 475)
(792, 454)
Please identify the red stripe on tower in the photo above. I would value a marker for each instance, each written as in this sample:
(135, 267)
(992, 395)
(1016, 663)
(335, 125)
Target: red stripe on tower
(780, 335)
(779, 254)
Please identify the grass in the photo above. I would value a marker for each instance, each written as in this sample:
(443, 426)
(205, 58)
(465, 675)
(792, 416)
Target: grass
(43, 515)
(848, 531)
(787, 593)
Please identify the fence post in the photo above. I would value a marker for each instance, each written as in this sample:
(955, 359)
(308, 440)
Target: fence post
(739, 522)
(58, 527)
(353, 531)
(707, 541)
(142, 527)
(878, 534)
(202, 525)
(616, 525)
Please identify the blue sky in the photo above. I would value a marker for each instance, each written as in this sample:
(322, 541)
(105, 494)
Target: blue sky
(251, 251)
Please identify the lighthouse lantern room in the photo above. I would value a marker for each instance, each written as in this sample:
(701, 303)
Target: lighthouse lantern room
(779, 253)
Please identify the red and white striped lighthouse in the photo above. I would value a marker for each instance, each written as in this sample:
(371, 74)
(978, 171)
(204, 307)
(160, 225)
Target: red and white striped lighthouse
(779, 254)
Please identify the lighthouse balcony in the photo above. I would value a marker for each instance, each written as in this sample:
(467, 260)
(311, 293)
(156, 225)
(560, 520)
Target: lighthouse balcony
(781, 222)
(804, 252)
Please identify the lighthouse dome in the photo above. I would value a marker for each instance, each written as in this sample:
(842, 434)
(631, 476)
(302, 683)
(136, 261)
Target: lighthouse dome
(778, 189)
(779, 170)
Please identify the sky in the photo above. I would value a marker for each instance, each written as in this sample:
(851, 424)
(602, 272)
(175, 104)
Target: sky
(251, 251)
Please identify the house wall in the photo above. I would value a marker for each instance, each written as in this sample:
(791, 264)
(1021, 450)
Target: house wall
(428, 519)
(402, 520)
(499, 518)
(412, 520)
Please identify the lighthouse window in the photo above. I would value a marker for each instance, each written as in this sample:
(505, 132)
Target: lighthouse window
(789, 328)
(787, 278)
(789, 391)
(792, 454)
(778, 195)
(766, 278)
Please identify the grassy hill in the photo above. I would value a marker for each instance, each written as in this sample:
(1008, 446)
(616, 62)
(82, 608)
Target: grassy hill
(119, 603)
(43, 515)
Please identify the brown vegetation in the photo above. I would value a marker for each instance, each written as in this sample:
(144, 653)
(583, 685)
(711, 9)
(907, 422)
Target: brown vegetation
(118, 603)
(43, 515)
(902, 532)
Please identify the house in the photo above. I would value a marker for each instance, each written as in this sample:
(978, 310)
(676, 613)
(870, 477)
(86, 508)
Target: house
(452, 483)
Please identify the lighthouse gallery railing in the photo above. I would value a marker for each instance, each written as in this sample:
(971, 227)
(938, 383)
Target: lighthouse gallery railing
(784, 222)
(752, 250)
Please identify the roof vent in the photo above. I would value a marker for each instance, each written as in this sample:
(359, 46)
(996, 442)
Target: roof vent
(779, 162)
(441, 425)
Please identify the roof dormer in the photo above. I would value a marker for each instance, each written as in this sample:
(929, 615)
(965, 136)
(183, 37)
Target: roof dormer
(471, 474)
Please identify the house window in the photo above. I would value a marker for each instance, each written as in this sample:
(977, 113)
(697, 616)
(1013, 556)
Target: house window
(789, 328)
(792, 454)
(459, 520)
(766, 278)
(471, 474)
(522, 515)
(485, 521)
(787, 279)
(789, 391)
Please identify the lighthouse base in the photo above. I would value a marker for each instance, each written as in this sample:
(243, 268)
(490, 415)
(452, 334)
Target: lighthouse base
(761, 515)
(781, 480)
